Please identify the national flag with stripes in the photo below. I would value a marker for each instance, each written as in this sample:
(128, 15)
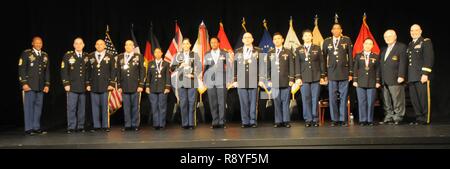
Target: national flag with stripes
(115, 98)
(150, 45)
(136, 45)
(175, 45)
(201, 46)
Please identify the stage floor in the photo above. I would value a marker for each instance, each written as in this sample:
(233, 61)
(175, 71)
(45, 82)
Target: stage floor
(265, 136)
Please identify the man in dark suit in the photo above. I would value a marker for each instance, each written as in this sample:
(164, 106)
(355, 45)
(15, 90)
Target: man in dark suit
(338, 52)
(130, 78)
(102, 77)
(74, 69)
(34, 76)
(158, 86)
(280, 76)
(421, 57)
(393, 73)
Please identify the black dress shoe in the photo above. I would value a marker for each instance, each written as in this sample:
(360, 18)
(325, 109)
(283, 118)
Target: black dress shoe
(254, 125)
(316, 124)
(362, 123)
(414, 123)
(308, 124)
(343, 124)
(81, 130)
(136, 129)
(276, 125)
(287, 125)
(191, 127)
(333, 124)
(396, 123)
(29, 132)
(223, 126)
(94, 130)
(107, 129)
(370, 123)
(70, 131)
(126, 129)
(40, 132)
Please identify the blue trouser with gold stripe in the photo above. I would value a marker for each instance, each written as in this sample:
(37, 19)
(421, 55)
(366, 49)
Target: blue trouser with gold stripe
(310, 98)
(247, 100)
(158, 104)
(340, 86)
(281, 104)
(366, 101)
(99, 103)
(75, 110)
(131, 109)
(187, 103)
(32, 107)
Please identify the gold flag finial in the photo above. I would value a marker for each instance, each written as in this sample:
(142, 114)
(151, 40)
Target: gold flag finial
(265, 24)
(290, 21)
(243, 24)
(336, 18)
(316, 20)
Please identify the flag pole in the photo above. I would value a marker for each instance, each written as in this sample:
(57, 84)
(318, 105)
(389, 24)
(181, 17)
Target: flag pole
(428, 102)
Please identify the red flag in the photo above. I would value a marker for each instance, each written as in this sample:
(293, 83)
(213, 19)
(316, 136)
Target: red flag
(222, 36)
(175, 45)
(364, 33)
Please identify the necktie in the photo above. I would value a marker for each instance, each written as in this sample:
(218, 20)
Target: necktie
(278, 52)
(388, 50)
(335, 42)
(367, 60)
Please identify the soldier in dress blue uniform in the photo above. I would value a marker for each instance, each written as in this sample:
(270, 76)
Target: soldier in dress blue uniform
(280, 76)
(158, 86)
(102, 77)
(74, 67)
(338, 53)
(310, 70)
(130, 81)
(421, 57)
(215, 78)
(34, 76)
(366, 79)
(246, 79)
(187, 64)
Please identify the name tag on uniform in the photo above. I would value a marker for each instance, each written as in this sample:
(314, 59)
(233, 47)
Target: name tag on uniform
(394, 58)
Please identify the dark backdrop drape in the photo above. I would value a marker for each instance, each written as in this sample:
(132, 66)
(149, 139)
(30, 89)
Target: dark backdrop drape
(59, 22)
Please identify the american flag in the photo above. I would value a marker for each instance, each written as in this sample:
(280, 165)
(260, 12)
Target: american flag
(115, 98)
